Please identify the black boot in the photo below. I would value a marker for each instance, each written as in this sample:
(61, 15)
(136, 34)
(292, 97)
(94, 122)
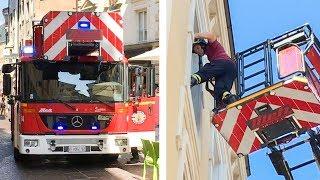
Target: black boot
(230, 98)
(219, 105)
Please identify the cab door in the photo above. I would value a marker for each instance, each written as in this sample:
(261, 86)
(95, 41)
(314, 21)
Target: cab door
(144, 104)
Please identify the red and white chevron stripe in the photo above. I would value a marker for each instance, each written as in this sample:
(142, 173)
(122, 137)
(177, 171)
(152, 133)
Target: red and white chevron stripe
(297, 95)
(56, 25)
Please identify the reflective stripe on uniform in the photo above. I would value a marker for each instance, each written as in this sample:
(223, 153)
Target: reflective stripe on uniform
(197, 77)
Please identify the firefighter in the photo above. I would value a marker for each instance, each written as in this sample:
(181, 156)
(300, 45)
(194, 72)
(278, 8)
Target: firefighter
(220, 68)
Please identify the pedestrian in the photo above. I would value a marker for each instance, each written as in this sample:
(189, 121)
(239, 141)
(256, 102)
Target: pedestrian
(220, 67)
(3, 107)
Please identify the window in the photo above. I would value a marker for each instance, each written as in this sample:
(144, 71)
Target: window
(142, 25)
(27, 10)
(21, 9)
(11, 20)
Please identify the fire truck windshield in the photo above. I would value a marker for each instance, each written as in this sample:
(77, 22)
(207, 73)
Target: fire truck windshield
(72, 82)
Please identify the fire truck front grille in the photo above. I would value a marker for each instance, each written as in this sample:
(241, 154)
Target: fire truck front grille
(74, 122)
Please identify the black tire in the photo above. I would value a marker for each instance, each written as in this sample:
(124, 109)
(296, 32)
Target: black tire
(18, 157)
(12, 136)
(12, 131)
(110, 157)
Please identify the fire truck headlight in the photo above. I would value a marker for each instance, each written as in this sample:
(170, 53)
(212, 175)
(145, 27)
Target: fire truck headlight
(31, 142)
(138, 118)
(121, 142)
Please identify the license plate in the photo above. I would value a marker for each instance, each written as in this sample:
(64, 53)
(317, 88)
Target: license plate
(77, 149)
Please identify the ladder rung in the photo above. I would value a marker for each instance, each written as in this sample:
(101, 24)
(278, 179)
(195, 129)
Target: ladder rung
(254, 74)
(252, 87)
(303, 164)
(253, 63)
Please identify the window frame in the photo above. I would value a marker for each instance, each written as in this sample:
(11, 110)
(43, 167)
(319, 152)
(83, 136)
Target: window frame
(142, 25)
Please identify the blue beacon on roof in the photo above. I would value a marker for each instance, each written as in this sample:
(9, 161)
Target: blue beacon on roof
(83, 25)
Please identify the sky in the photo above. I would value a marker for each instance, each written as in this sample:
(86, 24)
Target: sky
(253, 22)
(3, 4)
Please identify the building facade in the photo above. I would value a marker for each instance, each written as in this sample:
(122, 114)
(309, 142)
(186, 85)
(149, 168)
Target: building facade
(140, 21)
(3, 39)
(141, 26)
(195, 150)
(2, 45)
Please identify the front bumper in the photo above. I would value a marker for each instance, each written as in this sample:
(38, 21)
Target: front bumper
(75, 144)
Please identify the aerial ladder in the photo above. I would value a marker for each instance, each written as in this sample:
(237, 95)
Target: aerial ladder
(279, 99)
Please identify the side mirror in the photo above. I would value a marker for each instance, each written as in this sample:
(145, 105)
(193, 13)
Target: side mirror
(6, 84)
(7, 68)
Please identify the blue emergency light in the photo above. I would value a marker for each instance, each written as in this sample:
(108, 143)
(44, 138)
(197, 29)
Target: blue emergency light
(95, 126)
(59, 125)
(83, 25)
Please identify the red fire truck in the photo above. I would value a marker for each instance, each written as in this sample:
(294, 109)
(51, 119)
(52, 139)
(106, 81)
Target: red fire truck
(72, 91)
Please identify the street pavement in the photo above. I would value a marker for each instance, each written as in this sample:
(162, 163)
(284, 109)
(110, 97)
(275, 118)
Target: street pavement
(62, 168)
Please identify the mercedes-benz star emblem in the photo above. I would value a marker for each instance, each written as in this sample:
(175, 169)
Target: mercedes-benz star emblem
(76, 121)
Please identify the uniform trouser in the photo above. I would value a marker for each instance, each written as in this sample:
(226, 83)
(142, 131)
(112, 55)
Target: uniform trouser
(223, 71)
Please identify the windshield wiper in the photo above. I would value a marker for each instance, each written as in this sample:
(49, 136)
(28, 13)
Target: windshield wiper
(66, 104)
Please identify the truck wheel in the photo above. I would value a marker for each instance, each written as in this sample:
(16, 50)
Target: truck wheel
(18, 157)
(111, 157)
(12, 131)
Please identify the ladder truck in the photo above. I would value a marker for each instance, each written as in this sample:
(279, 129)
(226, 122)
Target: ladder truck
(72, 91)
(279, 99)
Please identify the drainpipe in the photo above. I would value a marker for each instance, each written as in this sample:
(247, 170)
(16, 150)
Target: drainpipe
(229, 27)
(18, 28)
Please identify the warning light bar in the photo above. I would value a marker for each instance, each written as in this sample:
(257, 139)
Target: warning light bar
(83, 25)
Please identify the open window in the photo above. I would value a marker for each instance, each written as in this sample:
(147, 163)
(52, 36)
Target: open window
(142, 81)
